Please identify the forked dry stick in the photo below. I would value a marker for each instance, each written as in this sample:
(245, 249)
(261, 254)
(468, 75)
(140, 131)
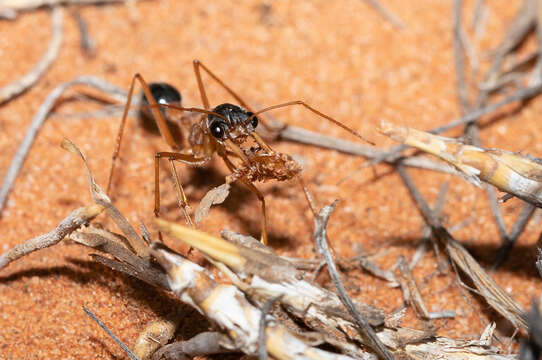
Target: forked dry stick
(38, 120)
(10, 91)
(412, 295)
(71, 223)
(365, 329)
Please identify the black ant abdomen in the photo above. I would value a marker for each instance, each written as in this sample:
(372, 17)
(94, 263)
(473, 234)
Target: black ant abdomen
(163, 93)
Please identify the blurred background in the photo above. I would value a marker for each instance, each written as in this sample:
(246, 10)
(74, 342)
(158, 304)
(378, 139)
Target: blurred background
(345, 58)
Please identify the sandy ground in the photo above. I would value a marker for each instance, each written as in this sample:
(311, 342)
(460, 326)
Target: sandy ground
(341, 57)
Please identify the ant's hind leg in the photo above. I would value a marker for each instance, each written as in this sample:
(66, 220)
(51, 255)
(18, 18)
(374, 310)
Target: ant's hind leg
(157, 114)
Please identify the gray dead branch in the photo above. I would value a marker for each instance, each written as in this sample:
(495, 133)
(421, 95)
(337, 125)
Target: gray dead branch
(10, 8)
(39, 118)
(19, 86)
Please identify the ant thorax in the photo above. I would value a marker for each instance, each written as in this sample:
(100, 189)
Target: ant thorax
(201, 143)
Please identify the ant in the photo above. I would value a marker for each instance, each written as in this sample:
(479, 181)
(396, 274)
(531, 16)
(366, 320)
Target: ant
(223, 130)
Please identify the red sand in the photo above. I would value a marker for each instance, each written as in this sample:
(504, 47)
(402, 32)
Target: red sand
(339, 56)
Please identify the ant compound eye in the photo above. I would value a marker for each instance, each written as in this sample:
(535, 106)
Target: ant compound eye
(254, 121)
(218, 129)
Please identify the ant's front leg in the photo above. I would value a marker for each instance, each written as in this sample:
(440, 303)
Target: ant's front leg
(181, 196)
(254, 189)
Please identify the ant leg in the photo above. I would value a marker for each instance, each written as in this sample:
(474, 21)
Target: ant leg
(181, 197)
(205, 100)
(308, 196)
(254, 189)
(197, 65)
(162, 125)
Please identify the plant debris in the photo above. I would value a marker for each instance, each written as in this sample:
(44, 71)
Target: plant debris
(519, 175)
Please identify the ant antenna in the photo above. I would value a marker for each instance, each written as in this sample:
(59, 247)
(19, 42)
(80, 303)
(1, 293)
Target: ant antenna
(189, 109)
(329, 118)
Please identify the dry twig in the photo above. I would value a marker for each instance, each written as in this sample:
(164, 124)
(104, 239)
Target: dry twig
(386, 14)
(495, 296)
(38, 120)
(462, 91)
(72, 222)
(363, 326)
(205, 343)
(110, 333)
(11, 7)
(412, 295)
(262, 347)
(9, 91)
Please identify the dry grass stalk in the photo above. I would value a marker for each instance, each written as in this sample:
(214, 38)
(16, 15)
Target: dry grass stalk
(156, 335)
(126, 349)
(411, 292)
(100, 198)
(227, 306)
(516, 174)
(496, 297)
(263, 275)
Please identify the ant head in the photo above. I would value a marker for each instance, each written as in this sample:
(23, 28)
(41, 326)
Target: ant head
(235, 124)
